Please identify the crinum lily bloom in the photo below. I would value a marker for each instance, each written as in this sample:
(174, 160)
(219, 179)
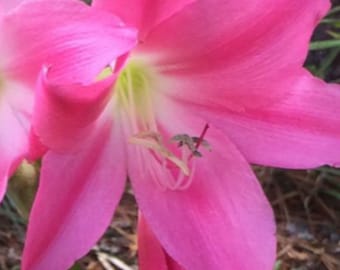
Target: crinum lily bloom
(211, 86)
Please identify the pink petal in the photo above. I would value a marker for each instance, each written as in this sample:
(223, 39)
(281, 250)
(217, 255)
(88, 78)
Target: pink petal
(248, 83)
(36, 148)
(151, 255)
(15, 106)
(76, 198)
(236, 31)
(73, 37)
(222, 221)
(150, 252)
(232, 52)
(142, 14)
(300, 131)
(65, 114)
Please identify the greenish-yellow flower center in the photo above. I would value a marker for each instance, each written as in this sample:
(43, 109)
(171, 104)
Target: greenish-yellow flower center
(133, 82)
(135, 93)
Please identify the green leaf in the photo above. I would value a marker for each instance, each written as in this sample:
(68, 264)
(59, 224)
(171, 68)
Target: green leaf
(334, 10)
(76, 266)
(324, 44)
(278, 265)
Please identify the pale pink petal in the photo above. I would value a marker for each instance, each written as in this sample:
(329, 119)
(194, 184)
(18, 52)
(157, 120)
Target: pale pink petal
(65, 114)
(222, 221)
(142, 14)
(75, 202)
(73, 37)
(15, 104)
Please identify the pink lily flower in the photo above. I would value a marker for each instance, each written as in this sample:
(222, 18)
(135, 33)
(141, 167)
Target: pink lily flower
(227, 74)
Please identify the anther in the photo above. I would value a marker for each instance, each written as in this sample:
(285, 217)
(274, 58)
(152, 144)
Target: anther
(192, 143)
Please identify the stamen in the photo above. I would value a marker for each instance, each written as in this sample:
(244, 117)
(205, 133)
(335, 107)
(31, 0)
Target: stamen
(153, 141)
(183, 182)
